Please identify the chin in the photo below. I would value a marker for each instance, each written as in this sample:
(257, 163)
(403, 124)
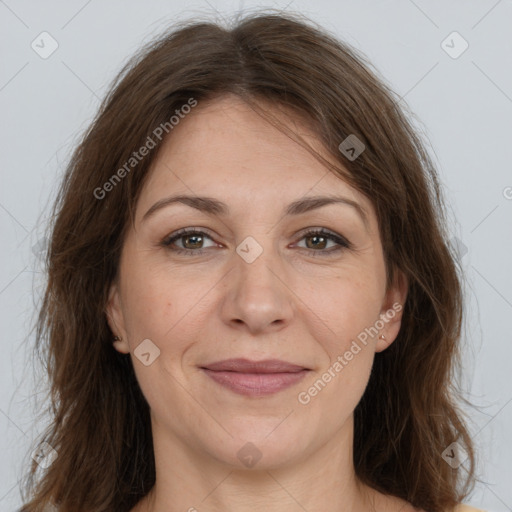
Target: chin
(249, 456)
(266, 445)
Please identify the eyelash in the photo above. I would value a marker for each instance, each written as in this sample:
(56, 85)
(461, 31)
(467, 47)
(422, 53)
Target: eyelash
(342, 242)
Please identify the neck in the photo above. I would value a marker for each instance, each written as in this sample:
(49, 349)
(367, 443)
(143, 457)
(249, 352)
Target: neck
(323, 480)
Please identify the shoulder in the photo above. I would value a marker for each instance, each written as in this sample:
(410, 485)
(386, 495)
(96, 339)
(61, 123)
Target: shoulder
(466, 508)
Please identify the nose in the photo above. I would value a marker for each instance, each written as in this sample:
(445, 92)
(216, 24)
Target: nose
(257, 298)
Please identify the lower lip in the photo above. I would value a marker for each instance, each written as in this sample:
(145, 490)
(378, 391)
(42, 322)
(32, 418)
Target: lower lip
(256, 384)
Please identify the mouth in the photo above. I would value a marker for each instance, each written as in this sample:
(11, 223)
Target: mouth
(255, 378)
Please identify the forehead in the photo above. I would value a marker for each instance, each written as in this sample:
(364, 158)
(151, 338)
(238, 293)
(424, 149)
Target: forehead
(225, 149)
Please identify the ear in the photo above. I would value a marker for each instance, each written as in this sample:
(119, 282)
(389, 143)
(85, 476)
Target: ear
(115, 319)
(392, 310)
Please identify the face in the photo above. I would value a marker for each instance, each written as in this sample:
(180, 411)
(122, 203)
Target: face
(261, 325)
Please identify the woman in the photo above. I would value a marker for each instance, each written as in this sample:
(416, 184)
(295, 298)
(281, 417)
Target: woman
(251, 302)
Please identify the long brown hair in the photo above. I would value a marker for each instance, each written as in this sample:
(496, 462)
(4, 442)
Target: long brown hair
(100, 420)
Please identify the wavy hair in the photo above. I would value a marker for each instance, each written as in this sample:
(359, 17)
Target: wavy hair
(100, 423)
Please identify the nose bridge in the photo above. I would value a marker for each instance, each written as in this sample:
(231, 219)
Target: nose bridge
(256, 295)
(257, 267)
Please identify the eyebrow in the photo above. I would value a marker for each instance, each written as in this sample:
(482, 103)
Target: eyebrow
(213, 206)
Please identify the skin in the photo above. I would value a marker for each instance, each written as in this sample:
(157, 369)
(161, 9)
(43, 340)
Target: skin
(293, 303)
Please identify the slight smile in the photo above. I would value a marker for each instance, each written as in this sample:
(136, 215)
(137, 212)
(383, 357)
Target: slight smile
(255, 378)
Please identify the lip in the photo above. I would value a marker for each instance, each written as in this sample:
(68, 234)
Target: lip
(255, 378)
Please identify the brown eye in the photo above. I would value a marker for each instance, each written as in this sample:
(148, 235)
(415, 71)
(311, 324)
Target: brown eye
(192, 241)
(316, 242)
(188, 241)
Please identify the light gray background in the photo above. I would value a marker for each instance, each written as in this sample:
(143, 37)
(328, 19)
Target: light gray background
(464, 107)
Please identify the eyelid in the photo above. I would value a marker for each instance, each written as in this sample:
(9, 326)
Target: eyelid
(182, 232)
(341, 242)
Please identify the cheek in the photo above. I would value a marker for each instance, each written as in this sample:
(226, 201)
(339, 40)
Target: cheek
(349, 308)
(159, 301)
(347, 305)
(159, 307)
